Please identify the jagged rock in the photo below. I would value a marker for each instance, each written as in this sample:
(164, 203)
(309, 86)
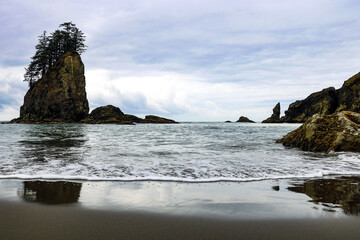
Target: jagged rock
(275, 117)
(59, 96)
(107, 114)
(349, 95)
(327, 101)
(156, 119)
(244, 119)
(322, 103)
(335, 132)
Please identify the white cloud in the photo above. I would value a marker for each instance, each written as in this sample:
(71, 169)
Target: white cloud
(191, 60)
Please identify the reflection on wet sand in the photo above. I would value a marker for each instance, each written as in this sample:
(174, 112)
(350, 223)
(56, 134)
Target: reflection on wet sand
(333, 193)
(50, 192)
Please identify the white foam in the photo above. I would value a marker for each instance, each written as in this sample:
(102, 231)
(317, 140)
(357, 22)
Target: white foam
(174, 179)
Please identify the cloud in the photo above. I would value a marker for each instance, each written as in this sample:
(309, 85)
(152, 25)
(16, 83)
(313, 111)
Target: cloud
(192, 60)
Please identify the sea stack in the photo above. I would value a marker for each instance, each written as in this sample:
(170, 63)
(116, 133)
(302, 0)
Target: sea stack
(275, 117)
(244, 119)
(59, 96)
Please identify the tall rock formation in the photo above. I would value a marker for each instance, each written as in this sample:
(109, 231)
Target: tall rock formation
(275, 117)
(323, 103)
(349, 95)
(59, 96)
(327, 101)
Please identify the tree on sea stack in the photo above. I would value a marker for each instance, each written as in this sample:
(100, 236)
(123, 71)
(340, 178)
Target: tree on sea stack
(50, 48)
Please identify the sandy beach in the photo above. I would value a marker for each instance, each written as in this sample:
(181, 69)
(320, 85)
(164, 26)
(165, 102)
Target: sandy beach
(63, 210)
(26, 221)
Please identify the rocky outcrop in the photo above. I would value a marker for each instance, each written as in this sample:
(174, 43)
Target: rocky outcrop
(275, 117)
(322, 103)
(335, 132)
(107, 114)
(349, 95)
(327, 101)
(156, 119)
(112, 114)
(244, 119)
(59, 96)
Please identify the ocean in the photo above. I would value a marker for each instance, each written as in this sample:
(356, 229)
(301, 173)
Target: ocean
(185, 152)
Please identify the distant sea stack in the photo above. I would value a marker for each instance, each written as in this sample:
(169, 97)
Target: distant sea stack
(275, 117)
(327, 101)
(156, 119)
(106, 114)
(245, 119)
(335, 132)
(112, 114)
(59, 96)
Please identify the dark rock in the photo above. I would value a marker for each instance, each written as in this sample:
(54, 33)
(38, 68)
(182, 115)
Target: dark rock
(275, 117)
(59, 96)
(335, 132)
(228, 121)
(133, 118)
(107, 114)
(349, 95)
(112, 114)
(244, 119)
(327, 101)
(156, 119)
(322, 103)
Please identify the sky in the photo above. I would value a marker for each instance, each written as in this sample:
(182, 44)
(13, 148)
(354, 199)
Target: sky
(190, 60)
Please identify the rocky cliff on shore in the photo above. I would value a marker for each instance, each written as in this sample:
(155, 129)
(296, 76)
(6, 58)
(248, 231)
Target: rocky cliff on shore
(327, 101)
(322, 103)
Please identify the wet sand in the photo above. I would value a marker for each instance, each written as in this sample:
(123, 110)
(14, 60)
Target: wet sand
(31, 221)
(286, 209)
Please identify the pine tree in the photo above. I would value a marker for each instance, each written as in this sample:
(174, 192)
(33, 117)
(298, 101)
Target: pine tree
(50, 48)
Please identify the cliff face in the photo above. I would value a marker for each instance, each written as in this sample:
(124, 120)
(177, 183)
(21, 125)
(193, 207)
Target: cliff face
(327, 101)
(323, 103)
(349, 95)
(59, 96)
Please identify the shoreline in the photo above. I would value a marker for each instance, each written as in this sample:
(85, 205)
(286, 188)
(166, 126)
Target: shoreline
(265, 199)
(284, 209)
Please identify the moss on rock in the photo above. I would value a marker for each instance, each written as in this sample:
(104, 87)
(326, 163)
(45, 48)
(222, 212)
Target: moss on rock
(335, 132)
